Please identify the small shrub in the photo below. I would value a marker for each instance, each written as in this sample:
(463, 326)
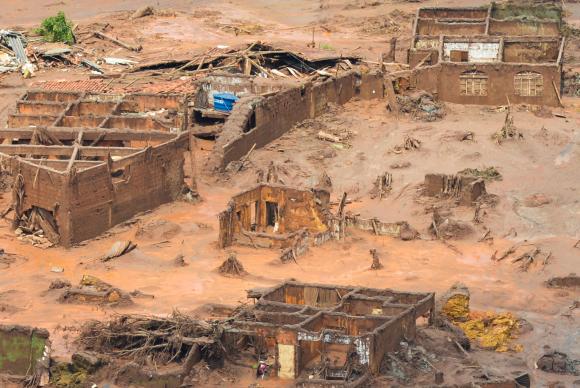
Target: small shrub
(57, 29)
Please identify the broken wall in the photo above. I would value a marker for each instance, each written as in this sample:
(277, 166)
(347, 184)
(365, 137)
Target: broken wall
(454, 13)
(276, 114)
(444, 80)
(43, 187)
(143, 181)
(298, 211)
(434, 28)
(523, 28)
(466, 189)
(531, 52)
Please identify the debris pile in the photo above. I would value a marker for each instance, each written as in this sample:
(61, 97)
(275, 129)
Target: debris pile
(160, 340)
(37, 227)
(232, 266)
(257, 59)
(93, 290)
(421, 105)
(571, 281)
(409, 144)
(494, 331)
(376, 265)
(526, 258)
(382, 186)
(12, 53)
(557, 362)
(466, 190)
(444, 227)
(454, 304)
(509, 131)
(487, 173)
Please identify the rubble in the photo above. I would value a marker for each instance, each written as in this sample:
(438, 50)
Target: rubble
(489, 330)
(509, 131)
(382, 186)
(118, 249)
(557, 362)
(408, 144)
(572, 281)
(376, 265)
(487, 173)
(466, 189)
(92, 290)
(421, 106)
(162, 340)
(445, 228)
(454, 303)
(232, 267)
(400, 229)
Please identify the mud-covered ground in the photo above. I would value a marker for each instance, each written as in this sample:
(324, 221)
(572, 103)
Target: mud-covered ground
(538, 195)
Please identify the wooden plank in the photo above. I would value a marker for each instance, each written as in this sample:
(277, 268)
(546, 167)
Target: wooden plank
(59, 164)
(75, 153)
(557, 93)
(63, 133)
(24, 149)
(116, 41)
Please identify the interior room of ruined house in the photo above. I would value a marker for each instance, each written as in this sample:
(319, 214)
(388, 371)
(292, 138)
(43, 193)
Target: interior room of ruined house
(306, 327)
(274, 211)
(68, 141)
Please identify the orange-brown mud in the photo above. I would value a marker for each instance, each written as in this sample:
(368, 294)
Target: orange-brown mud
(545, 161)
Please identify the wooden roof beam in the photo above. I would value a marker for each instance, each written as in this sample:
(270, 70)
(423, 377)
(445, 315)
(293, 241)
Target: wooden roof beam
(26, 149)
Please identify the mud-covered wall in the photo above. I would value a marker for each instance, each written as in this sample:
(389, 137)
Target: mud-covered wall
(523, 28)
(101, 197)
(434, 27)
(297, 210)
(531, 52)
(387, 338)
(500, 83)
(454, 13)
(43, 187)
(275, 115)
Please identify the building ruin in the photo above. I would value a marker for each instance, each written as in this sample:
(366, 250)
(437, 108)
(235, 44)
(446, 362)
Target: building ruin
(275, 216)
(84, 162)
(502, 53)
(319, 333)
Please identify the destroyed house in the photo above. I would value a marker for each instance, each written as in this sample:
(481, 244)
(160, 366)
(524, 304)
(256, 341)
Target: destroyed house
(84, 162)
(273, 216)
(315, 333)
(489, 55)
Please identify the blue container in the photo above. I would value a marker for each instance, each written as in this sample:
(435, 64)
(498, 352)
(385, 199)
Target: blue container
(224, 101)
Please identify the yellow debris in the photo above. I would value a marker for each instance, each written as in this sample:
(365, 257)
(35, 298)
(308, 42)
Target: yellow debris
(492, 331)
(457, 307)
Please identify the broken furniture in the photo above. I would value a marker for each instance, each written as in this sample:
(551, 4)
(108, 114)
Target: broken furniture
(480, 55)
(329, 332)
(84, 162)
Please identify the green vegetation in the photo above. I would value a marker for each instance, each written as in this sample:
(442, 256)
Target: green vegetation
(57, 29)
(528, 11)
(326, 46)
(488, 174)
